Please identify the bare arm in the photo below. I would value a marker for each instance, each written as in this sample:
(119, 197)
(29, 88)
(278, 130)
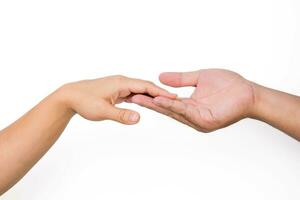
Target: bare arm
(24, 142)
(279, 109)
(223, 97)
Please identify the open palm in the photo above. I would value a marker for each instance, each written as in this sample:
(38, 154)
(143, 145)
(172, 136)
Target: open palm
(220, 98)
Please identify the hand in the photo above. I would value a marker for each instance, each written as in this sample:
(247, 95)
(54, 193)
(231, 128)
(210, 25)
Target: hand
(95, 99)
(38, 129)
(220, 98)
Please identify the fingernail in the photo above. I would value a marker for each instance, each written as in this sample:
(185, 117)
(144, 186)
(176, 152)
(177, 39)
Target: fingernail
(133, 117)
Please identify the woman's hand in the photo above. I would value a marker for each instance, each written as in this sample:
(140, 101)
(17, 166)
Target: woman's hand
(95, 99)
(24, 142)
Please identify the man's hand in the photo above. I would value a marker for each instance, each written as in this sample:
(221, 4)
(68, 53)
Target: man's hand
(220, 98)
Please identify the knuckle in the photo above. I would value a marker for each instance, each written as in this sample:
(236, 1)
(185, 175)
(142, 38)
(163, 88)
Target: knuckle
(174, 106)
(122, 115)
(149, 91)
(119, 77)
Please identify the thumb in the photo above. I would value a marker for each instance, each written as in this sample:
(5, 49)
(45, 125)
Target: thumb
(123, 116)
(179, 79)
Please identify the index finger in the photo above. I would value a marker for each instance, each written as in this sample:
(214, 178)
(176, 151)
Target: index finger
(147, 102)
(139, 86)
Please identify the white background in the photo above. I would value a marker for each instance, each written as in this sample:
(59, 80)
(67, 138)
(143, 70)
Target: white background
(44, 44)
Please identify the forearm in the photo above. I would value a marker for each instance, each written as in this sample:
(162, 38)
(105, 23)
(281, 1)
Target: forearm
(24, 142)
(279, 109)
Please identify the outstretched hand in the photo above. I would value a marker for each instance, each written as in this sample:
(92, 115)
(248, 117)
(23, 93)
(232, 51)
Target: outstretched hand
(96, 99)
(220, 98)
(37, 130)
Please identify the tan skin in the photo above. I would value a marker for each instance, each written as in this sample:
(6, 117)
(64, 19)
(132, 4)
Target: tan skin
(24, 142)
(220, 98)
(223, 97)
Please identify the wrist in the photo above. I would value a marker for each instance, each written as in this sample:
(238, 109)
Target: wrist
(256, 111)
(61, 97)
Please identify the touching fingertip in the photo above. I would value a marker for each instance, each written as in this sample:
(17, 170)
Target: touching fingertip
(173, 95)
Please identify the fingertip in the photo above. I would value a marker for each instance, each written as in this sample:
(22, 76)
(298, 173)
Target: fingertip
(179, 79)
(134, 118)
(168, 94)
(137, 98)
(173, 96)
(161, 101)
(170, 78)
(162, 76)
(124, 116)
